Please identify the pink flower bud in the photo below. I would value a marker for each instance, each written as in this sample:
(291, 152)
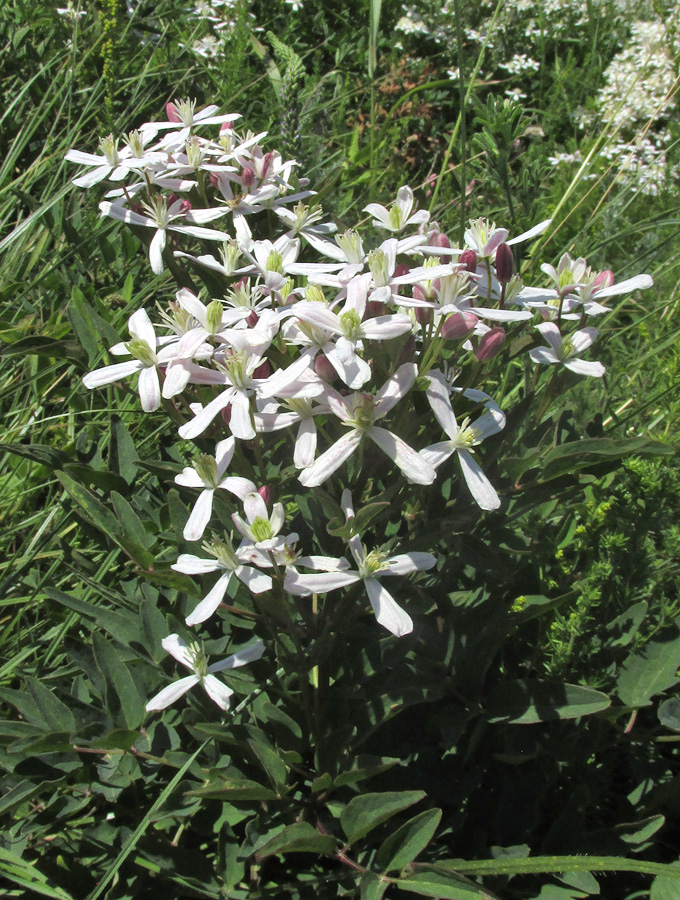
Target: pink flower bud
(248, 176)
(604, 280)
(490, 344)
(252, 319)
(214, 180)
(419, 293)
(504, 263)
(226, 415)
(226, 126)
(185, 206)
(324, 369)
(172, 113)
(441, 240)
(400, 269)
(458, 325)
(423, 314)
(264, 370)
(468, 259)
(266, 493)
(173, 198)
(408, 354)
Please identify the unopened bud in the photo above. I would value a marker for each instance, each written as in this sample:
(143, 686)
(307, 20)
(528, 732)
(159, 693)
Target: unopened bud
(441, 240)
(226, 126)
(604, 280)
(423, 315)
(247, 176)
(172, 113)
(252, 319)
(214, 180)
(266, 163)
(490, 344)
(324, 369)
(468, 259)
(458, 325)
(226, 415)
(266, 493)
(504, 263)
(173, 198)
(185, 206)
(400, 269)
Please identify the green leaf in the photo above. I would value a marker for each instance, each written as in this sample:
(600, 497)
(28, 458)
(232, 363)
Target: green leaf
(122, 697)
(580, 454)
(651, 670)
(528, 700)
(42, 345)
(92, 508)
(364, 767)
(130, 522)
(298, 838)
(404, 844)
(123, 457)
(273, 765)
(442, 885)
(56, 715)
(364, 813)
(123, 626)
(24, 874)
(669, 713)
(17, 794)
(232, 789)
(665, 888)
(80, 316)
(46, 456)
(373, 886)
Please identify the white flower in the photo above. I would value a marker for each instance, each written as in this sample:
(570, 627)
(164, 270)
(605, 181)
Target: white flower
(398, 216)
(207, 474)
(359, 412)
(565, 350)
(192, 656)
(462, 438)
(371, 566)
(164, 218)
(261, 528)
(147, 357)
(229, 562)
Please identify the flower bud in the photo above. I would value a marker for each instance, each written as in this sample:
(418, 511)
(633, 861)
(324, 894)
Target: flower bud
(604, 280)
(172, 198)
(185, 206)
(226, 415)
(266, 163)
(324, 369)
(490, 344)
(214, 179)
(423, 314)
(458, 325)
(400, 269)
(252, 319)
(172, 113)
(226, 126)
(504, 263)
(441, 240)
(247, 176)
(468, 259)
(266, 493)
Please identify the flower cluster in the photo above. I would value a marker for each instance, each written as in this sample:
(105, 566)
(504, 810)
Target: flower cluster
(332, 338)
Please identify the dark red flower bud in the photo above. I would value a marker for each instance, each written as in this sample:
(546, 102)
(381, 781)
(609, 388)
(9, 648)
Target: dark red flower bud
(185, 206)
(401, 269)
(458, 325)
(264, 370)
(423, 314)
(504, 263)
(468, 259)
(490, 344)
(266, 493)
(248, 176)
(214, 180)
(373, 309)
(252, 319)
(324, 369)
(266, 163)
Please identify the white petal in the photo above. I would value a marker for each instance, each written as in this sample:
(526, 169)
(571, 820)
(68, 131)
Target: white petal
(238, 486)
(256, 582)
(583, 339)
(639, 282)
(480, 487)
(189, 478)
(202, 419)
(411, 463)
(240, 422)
(331, 460)
(149, 389)
(217, 691)
(194, 565)
(171, 693)
(544, 355)
(241, 658)
(255, 507)
(438, 398)
(532, 232)
(211, 601)
(405, 563)
(223, 454)
(436, 454)
(584, 367)
(551, 333)
(109, 374)
(177, 648)
(200, 516)
(156, 248)
(321, 583)
(387, 611)
(305, 444)
(395, 388)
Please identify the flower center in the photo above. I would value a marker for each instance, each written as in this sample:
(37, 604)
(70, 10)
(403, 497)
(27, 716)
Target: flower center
(261, 529)
(275, 262)
(109, 147)
(213, 316)
(139, 349)
(375, 562)
(351, 246)
(199, 662)
(351, 324)
(222, 551)
(206, 466)
(378, 263)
